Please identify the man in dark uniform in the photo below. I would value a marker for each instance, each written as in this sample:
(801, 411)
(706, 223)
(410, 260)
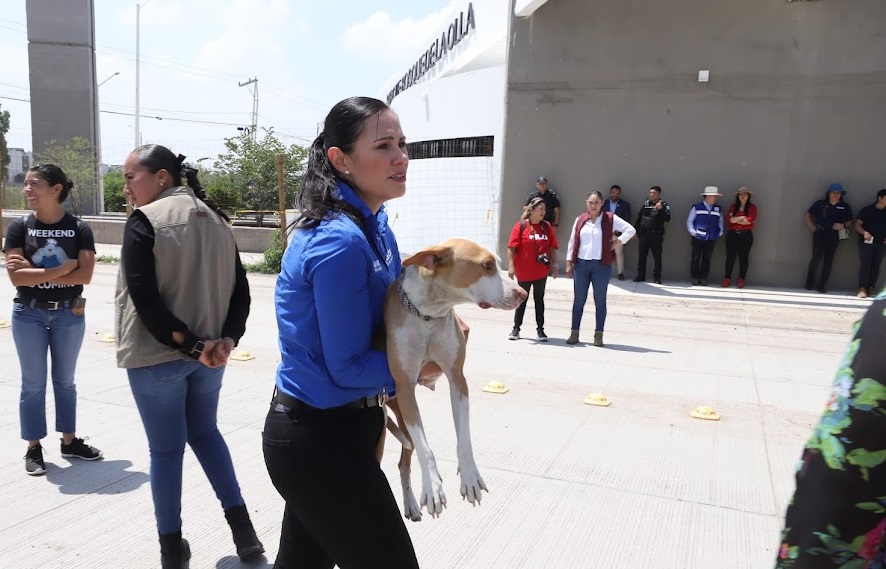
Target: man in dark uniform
(651, 228)
(871, 228)
(552, 202)
(826, 219)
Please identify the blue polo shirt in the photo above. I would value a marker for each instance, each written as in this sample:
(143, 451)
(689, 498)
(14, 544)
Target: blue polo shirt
(329, 299)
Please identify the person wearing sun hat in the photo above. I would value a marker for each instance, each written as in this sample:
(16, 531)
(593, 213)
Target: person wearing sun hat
(740, 221)
(705, 225)
(826, 219)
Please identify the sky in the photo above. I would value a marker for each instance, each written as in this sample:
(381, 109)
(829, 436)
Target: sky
(307, 55)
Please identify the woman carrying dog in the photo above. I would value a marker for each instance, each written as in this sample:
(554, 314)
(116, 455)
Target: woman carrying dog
(50, 255)
(532, 254)
(182, 303)
(589, 257)
(328, 412)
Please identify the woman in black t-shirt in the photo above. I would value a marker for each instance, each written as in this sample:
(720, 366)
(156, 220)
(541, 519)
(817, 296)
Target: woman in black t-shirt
(50, 255)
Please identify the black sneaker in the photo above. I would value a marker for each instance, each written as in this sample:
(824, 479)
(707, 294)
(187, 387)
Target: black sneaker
(79, 449)
(542, 337)
(515, 334)
(34, 464)
(657, 281)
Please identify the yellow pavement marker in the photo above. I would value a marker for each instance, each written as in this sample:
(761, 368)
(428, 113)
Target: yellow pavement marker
(597, 399)
(495, 387)
(705, 412)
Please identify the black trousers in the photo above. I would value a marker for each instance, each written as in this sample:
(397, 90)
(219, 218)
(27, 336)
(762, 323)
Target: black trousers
(650, 241)
(824, 245)
(339, 505)
(738, 243)
(538, 297)
(871, 256)
(700, 265)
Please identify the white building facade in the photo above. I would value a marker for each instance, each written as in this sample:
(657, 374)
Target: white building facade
(451, 105)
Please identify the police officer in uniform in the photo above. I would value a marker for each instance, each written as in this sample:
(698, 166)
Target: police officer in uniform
(651, 228)
(552, 202)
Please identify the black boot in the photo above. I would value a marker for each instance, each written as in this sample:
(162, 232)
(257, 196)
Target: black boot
(174, 551)
(248, 545)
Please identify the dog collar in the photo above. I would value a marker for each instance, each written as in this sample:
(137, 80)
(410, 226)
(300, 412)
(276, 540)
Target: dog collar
(406, 302)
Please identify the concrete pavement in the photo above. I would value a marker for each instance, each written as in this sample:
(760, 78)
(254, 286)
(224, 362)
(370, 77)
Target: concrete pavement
(634, 485)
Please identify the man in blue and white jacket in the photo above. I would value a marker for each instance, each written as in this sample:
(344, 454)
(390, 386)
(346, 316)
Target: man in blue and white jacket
(705, 225)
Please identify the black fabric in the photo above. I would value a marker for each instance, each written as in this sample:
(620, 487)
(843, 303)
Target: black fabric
(141, 279)
(738, 244)
(651, 220)
(339, 505)
(47, 246)
(825, 214)
(650, 240)
(871, 256)
(874, 222)
(700, 264)
(824, 246)
(551, 201)
(538, 298)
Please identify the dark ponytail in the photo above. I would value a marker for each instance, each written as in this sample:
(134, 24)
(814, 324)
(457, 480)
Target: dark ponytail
(154, 158)
(54, 175)
(318, 197)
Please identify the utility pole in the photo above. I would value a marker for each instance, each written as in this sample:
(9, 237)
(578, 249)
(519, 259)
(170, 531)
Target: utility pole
(254, 104)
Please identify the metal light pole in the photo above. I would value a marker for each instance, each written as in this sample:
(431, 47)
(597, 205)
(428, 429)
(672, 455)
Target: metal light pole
(138, 9)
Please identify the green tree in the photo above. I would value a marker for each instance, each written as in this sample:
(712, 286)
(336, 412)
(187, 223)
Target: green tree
(79, 159)
(115, 199)
(4, 128)
(248, 170)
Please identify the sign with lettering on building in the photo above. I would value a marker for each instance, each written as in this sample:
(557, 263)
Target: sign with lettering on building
(458, 30)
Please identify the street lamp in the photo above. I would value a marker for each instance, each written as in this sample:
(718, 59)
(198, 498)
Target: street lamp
(116, 73)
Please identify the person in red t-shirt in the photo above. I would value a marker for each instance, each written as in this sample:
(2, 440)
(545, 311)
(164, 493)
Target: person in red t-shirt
(532, 255)
(740, 221)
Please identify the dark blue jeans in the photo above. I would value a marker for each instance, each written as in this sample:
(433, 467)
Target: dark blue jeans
(584, 274)
(35, 332)
(178, 402)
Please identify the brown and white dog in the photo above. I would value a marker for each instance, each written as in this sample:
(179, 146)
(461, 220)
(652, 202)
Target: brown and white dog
(421, 327)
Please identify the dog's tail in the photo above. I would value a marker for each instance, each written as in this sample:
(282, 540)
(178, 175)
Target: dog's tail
(399, 434)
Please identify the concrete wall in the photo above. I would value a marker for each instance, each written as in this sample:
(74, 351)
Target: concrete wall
(110, 232)
(606, 91)
(61, 59)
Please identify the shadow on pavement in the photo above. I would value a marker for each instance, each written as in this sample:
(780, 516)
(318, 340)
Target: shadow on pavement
(96, 477)
(639, 349)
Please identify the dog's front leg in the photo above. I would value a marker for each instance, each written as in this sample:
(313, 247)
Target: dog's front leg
(471, 481)
(432, 496)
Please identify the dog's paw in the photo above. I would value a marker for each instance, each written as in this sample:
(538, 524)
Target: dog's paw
(411, 511)
(432, 497)
(471, 484)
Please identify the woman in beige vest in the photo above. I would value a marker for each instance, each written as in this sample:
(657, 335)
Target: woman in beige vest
(182, 304)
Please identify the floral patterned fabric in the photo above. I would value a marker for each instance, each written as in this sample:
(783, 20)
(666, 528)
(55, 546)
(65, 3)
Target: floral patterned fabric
(837, 517)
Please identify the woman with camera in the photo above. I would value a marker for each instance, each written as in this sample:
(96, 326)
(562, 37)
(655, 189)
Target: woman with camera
(532, 254)
(589, 257)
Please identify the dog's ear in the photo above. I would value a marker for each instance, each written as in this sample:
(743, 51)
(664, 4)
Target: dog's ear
(431, 258)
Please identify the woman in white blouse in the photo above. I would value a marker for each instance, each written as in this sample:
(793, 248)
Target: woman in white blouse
(589, 257)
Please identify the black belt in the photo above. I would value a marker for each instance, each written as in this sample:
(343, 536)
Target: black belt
(740, 230)
(287, 400)
(47, 304)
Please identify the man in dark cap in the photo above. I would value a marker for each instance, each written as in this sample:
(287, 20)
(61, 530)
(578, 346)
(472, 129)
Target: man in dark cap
(552, 202)
(827, 219)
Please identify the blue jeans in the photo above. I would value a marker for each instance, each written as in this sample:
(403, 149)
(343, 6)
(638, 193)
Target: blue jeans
(60, 332)
(584, 274)
(178, 402)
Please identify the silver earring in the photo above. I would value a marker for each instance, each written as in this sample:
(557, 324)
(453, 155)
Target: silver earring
(348, 172)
